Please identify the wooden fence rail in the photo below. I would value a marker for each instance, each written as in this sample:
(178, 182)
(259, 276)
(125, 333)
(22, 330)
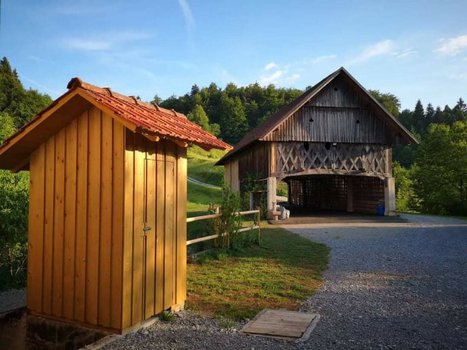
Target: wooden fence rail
(216, 216)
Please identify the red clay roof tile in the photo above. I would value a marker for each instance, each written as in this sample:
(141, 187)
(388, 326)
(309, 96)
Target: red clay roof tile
(150, 118)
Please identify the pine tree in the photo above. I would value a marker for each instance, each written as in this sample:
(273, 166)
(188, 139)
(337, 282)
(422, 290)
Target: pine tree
(438, 117)
(15, 100)
(429, 114)
(459, 112)
(418, 118)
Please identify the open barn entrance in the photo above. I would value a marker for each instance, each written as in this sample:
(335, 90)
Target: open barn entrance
(310, 194)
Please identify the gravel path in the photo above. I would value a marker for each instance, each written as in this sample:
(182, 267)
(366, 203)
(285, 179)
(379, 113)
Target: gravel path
(398, 286)
(388, 286)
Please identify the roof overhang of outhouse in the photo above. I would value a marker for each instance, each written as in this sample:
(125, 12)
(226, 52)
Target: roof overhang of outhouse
(151, 121)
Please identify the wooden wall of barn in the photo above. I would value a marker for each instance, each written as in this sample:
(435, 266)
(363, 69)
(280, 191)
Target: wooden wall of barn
(90, 197)
(231, 175)
(254, 162)
(336, 114)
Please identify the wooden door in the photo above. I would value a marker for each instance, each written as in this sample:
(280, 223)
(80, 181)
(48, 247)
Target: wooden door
(149, 236)
(159, 235)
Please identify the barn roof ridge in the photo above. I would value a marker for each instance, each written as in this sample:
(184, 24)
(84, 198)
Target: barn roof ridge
(146, 118)
(271, 123)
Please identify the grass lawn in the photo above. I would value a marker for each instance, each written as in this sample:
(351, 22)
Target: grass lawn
(201, 165)
(206, 171)
(199, 198)
(280, 273)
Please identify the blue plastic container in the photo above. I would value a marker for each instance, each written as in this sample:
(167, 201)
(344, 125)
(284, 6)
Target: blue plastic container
(380, 210)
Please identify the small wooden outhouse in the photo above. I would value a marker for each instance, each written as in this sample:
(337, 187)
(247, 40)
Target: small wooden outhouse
(107, 212)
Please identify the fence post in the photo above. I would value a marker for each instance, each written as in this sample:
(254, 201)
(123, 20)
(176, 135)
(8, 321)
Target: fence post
(258, 219)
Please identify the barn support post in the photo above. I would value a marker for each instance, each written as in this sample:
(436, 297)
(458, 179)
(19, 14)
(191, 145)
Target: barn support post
(350, 194)
(389, 196)
(271, 198)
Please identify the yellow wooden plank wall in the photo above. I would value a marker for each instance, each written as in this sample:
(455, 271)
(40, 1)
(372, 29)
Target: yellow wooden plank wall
(71, 145)
(155, 195)
(129, 176)
(94, 186)
(160, 228)
(76, 222)
(150, 219)
(181, 226)
(36, 229)
(116, 271)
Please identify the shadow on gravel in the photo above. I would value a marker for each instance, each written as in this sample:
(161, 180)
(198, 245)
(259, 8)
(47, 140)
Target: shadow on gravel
(21, 331)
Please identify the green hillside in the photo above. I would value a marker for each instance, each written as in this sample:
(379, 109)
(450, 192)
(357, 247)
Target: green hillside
(199, 198)
(201, 167)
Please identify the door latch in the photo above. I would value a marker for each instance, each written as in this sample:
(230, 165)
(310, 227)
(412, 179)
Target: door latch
(146, 228)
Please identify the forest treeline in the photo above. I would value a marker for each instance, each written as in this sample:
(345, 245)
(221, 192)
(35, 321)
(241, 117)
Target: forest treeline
(431, 176)
(17, 106)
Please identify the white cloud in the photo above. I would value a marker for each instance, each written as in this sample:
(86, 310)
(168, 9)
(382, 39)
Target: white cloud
(405, 53)
(270, 66)
(452, 46)
(277, 75)
(88, 44)
(272, 78)
(187, 15)
(292, 78)
(105, 41)
(324, 58)
(381, 48)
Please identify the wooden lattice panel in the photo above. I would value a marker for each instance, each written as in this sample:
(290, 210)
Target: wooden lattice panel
(307, 157)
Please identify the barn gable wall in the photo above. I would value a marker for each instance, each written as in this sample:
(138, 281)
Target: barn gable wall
(336, 114)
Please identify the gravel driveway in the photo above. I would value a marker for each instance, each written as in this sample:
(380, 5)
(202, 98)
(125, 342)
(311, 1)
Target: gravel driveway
(389, 286)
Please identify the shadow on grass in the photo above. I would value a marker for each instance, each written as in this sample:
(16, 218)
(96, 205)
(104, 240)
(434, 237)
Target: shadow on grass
(280, 273)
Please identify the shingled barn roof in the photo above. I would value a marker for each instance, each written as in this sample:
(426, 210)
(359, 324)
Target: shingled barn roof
(270, 124)
(148, 119)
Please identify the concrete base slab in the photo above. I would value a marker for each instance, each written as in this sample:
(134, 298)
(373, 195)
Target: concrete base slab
(284, 324)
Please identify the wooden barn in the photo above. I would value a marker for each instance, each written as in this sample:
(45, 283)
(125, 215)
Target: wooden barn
(332, 146)
(107, 213)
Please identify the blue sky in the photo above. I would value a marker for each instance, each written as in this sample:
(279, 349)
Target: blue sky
(413, 49)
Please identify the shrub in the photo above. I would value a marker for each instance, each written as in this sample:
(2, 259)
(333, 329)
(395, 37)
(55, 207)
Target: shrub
(14, 194)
